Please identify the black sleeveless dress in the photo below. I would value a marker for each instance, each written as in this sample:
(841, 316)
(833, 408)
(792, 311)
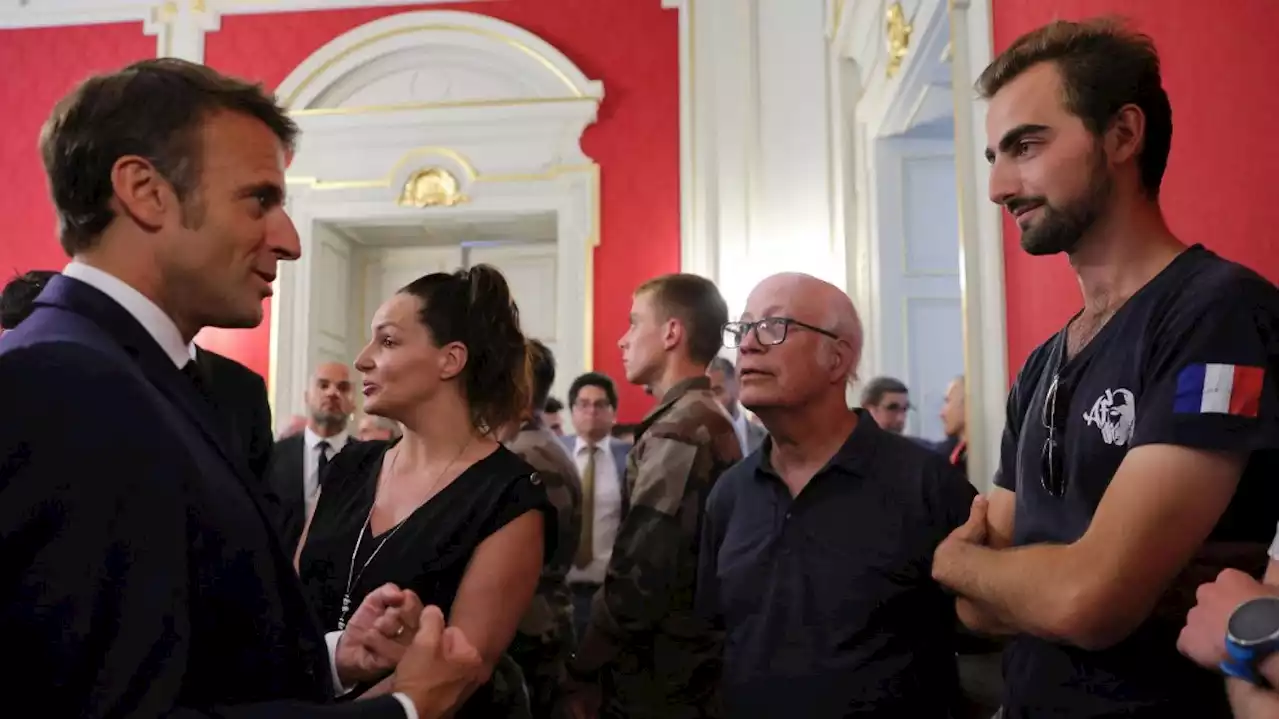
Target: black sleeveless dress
(430, 551)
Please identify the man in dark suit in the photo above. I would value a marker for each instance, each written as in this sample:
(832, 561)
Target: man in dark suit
(298, 461)
(237, 392)
(141, 577)
(240, 396)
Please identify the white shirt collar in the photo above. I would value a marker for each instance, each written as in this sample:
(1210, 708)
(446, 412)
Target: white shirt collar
(153, 319)
(582, 444)
(336, 442)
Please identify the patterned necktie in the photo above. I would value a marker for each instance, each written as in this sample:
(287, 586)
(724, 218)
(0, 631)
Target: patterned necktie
(586, 552)
(323, 447)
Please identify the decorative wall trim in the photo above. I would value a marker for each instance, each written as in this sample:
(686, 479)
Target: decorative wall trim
(982, 245)
(857, 35)
(374, 152)
(179, 26)
(697, 252)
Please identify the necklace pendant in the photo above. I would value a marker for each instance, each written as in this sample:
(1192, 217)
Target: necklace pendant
(342, 616)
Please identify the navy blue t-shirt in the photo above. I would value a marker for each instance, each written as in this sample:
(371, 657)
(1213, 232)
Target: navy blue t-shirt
(1189, 360)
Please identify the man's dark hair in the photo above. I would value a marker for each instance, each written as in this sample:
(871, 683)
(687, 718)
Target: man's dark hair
(697, 303)
(1104, 66)
(722, 365)
(542, 372)
(553, 406)
(17, 300)
(154, 109)
(877, 388)
(594, 379)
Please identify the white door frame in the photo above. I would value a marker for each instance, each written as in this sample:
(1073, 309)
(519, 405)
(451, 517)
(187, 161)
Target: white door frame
(507, 133)
(859, 37)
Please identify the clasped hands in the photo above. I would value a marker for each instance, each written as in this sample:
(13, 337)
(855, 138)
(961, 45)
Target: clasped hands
(435, 666)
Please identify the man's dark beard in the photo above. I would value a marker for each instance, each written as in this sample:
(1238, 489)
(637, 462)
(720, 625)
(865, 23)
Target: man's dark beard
(1060, 230)
(336, 421)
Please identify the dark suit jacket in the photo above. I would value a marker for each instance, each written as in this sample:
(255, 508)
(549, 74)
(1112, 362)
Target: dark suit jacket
(139, 575)
(284, 478)
(240, 396)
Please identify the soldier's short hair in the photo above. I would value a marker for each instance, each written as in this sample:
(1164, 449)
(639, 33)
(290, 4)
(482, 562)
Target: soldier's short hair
(698, 305)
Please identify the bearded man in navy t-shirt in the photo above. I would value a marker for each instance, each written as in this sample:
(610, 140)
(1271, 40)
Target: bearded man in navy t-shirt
(1142, 436)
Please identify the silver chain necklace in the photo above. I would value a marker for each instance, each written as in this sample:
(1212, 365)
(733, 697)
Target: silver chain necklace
(352, 576)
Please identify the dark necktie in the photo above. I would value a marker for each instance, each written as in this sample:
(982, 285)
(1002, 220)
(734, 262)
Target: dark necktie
(323, 447)
(193, 373)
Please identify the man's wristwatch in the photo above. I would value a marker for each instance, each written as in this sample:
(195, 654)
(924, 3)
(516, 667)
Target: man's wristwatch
(1251, 637)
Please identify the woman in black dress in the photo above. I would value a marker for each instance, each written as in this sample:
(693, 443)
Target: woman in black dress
(445, 510)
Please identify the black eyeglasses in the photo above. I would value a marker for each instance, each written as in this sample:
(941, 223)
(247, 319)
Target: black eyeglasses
(769, 331)
(1053, 476)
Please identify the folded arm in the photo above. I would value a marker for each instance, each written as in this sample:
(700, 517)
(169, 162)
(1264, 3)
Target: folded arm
(973, 614)
(1157, 511)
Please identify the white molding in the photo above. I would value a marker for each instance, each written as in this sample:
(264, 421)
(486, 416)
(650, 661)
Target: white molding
(542, 69)
(696, 253)
(982, 246)
(511, 156)
(179, 26)
(859, 35)
(15, 14)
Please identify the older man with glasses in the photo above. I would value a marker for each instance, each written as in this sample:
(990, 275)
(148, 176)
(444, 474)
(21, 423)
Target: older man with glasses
(815, 549)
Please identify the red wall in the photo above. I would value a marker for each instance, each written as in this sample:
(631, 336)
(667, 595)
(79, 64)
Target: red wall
(40, 67)
(1220, 71)
(632, 46)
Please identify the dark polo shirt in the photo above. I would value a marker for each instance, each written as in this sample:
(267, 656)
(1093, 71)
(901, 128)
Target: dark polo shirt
(827, 600)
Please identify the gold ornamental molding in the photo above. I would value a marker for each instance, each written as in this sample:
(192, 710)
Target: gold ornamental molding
(432, 187)
(898, 32)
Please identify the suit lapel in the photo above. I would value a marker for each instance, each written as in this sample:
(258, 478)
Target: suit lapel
(158, 369)
(156, 366)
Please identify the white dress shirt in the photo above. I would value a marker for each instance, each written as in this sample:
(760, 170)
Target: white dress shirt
(311, 461)
(608, 509)
(153, 319)
(165, 332)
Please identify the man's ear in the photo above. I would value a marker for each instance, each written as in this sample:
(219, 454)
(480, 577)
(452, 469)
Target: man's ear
(141, 192)
(672, 333)
(1126, 134)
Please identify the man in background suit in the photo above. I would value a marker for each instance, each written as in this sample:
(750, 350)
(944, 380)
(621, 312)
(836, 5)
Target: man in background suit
(141, 576)
(237, 392)
(602, 465)
(240, 396)
(17, 300)
(724, 385)
(298, 461)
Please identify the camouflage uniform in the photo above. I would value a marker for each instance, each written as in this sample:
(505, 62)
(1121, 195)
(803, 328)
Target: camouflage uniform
(653, 656)
(545, 640)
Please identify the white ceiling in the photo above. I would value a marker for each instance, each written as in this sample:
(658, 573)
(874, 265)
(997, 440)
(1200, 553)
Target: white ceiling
(452, 229)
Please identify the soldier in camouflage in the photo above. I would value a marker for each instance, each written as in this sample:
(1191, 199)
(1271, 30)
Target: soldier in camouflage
(646, 653)
(544, 640)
